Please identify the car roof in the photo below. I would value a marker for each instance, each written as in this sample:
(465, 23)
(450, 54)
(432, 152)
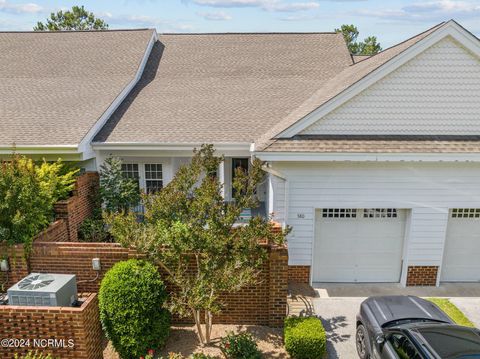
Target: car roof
(451, 341)
(387, 309)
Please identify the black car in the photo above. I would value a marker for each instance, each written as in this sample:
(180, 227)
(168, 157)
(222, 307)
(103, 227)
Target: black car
(401, 327)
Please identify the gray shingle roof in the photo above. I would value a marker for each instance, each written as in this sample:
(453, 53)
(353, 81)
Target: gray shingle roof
(224, 88)
(336, 85)
(55, 85)
(374, 146)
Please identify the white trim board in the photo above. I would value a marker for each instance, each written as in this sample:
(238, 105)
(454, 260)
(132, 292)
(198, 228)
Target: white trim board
(84, 145)
(451, 28)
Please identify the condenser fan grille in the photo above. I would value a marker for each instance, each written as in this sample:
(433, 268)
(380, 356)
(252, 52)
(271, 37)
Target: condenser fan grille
(36, 281)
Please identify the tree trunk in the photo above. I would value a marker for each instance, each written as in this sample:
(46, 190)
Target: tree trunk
(208, 326)
(196, 316)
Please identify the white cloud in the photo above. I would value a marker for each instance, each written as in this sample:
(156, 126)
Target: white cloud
(436, 10)
(215, 16)
(267, 5)
(146, 21)
(27, 8)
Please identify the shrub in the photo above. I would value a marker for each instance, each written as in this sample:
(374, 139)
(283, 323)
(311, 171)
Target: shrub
(130, 299)
(93, 230)
(28, 192)
(34, 355)
(117, 192)
(240, 346)
(305, 338)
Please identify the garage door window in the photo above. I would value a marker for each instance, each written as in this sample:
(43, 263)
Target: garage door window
(465, 213)
(380, 213)
(339, 213)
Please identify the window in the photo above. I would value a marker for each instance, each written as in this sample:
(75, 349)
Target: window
(465, 213)
(238, 163)
(339, 213)
(403, 346)
(130, 170)
(380, 213)
(153, 177)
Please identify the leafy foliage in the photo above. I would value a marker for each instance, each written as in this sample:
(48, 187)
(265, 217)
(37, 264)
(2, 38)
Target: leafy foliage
(34, 355)
(117, 192)
(369, 46)
(75, 19)
(305, 337)
(240, 346)
(188, 222)
(93, 230)
(131, 297)
(28, 192)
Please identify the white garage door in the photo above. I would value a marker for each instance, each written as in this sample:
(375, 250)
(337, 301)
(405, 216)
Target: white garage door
(461, 259)
(358, 245)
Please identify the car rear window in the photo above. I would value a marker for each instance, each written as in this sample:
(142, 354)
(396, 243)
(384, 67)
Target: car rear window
(452, 342)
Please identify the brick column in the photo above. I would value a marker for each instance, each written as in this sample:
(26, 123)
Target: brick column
(80, 206)
(278, 285)
(18, 265)
(299, 274)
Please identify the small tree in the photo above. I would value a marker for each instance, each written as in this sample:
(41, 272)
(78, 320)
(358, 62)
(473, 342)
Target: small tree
(75, 19)
(118, 193)
(188, 222)
(28, 192)
(369, 46)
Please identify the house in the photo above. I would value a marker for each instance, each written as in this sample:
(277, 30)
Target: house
(374, 161)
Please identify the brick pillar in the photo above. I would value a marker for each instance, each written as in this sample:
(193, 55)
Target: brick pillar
(17, 262)
(278, 285)
(80, 206)
(422, 276)
(299, 274)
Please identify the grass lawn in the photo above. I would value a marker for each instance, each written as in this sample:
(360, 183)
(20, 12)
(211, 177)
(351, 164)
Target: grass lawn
(452, 311)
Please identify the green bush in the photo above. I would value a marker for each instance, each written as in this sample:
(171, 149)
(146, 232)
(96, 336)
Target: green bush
(130, 299)
(240, 346)
(28, 192)
(93, 230)
(305, 338)
(34, 355)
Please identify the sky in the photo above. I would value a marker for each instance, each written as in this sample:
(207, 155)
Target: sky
(391, 21)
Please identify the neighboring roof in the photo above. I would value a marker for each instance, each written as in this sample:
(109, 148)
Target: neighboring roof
(374, 146)
(224, 88)
(54, 86)
(338, 84)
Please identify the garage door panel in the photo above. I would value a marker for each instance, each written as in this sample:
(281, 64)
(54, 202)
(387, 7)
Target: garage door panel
(358, 248)
(461, 259)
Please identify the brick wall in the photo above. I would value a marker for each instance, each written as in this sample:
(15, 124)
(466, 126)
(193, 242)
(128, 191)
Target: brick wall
(264, 303)
(18, 265)
(80, 206)
(56, 232)
(422, 276)
(299, 274)
(82, 325)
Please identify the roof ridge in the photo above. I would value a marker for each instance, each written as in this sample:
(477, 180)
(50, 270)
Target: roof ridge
(71, 31)
(250, 33)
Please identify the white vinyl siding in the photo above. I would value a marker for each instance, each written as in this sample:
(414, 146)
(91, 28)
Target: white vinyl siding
(428, 189)
(435, 93)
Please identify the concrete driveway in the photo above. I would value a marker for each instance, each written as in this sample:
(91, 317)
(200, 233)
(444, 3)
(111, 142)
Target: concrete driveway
(338, 304)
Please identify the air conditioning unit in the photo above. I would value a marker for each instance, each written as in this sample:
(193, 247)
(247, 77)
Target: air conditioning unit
(40, 289)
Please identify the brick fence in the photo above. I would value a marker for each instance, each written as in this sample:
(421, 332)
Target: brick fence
(261, 304)
(77, 331)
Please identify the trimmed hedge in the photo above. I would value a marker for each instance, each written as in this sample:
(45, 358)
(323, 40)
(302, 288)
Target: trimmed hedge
(130, 299)
(305, 338)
